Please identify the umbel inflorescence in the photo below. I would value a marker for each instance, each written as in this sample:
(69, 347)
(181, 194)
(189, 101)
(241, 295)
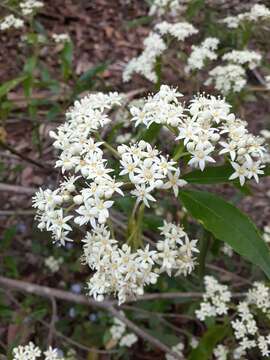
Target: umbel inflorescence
(205, 129)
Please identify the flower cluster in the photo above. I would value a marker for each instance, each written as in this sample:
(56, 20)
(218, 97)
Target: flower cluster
(201, 53)
(28, 7)
(267, 82)
(32, 352)
(53, 264)
(246, 327)
(61, 38)
(119, 334)
(175, 252)
(11, 21)
(259, 295)
(221, 352)
(154, 46)
(201, 127)
(118, 270)
(215, 299)
(227, 78)
(144, 64)
(266, 233)
(178, 349)
(180, 30)
(161, 108)
(242, 57)
(88, 192)
(125, 273)
(161, 7)
(79, 152)
(148, 170)
(258, 13)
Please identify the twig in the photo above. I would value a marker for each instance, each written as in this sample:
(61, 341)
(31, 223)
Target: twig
(53, 321)
(18, 212)
(81, 299)
(59, 334)
(143, 334)
(75, 343)
(169, 295)
(228, 273)
(17, 189)
(22, 156)
(258, 76)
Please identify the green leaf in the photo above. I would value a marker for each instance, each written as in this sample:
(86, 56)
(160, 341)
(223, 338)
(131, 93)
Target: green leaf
(67, 58)
(229, 224)
(90, 73)
(151, 133)
(214, 175)
(30, 65)
(209, 340)
(85, 81)
(8, 236)
(210, 175)
(7, 86)
(194, 7)
(266, 171)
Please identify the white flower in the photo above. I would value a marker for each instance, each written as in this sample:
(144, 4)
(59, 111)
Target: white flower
(53, 263)
(174, 182)
(215, 299)
(264, 345)
(144, 65)
(29, 6)
(178, 349)
(221, 352)
(51, 354)
(242, 57)
(61, 38)
(160, 7)
(227, 78)
(11, 21)
(128, 340)
(27, 352)
(201, 53)
(200, 156)
(180, 30)
(241, 172)
(258, 13)
(143, 194)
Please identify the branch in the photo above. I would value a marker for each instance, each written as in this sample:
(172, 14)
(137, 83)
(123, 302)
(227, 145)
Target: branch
(17, 189)
(48, 292)
(22, 156)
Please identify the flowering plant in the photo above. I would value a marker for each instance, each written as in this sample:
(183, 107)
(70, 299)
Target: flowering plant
(201, 129)
(145, 245)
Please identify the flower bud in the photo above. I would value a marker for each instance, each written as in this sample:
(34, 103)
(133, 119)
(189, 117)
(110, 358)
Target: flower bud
(190, 146)
(71, 187)
(41, 225)
(66, 197)
(215, 137)
(242, 151)
(78, 199)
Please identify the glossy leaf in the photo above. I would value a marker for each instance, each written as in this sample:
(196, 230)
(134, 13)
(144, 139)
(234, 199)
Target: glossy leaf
(214, 175)
(210, 175)
(229, 224)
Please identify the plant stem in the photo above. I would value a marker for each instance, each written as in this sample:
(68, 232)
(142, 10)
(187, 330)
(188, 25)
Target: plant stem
(108, 146)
